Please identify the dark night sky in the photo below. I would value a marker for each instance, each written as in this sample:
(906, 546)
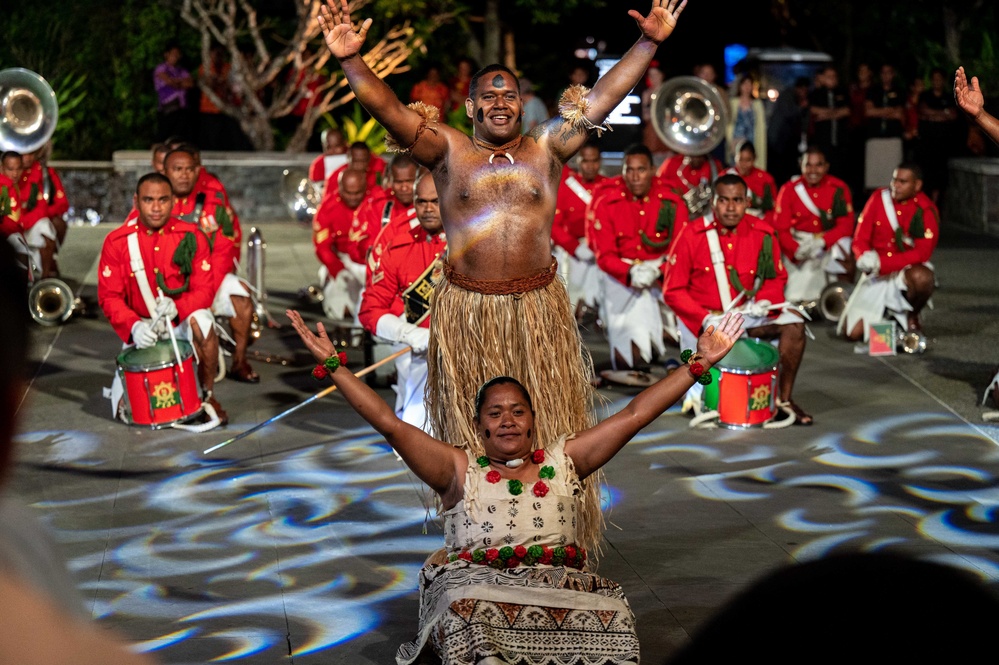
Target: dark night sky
(704, 28)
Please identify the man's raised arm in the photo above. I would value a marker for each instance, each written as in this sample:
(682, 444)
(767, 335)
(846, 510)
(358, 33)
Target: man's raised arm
(622, 78)
(972, 101)
(410, 129)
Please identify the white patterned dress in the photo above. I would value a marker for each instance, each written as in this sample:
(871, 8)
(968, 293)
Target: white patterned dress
(515, 590)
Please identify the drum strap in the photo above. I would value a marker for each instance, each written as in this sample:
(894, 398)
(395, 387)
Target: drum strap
(718, 263)
(577, 188)
(139, 270)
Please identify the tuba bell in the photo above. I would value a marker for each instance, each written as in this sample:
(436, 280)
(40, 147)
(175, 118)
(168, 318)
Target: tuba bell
(300, 195)
(28, 110)
(689, 115)
(51, 302)
(833, 299)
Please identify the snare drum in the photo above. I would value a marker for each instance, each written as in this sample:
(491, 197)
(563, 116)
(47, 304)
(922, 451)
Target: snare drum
(746, 380)
(157, 393)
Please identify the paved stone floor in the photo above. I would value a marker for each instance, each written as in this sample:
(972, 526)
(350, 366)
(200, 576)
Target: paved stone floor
(302, 543)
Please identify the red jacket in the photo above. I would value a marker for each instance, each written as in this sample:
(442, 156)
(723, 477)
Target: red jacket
(317, 169)
(31, 195)
(330, 228)
(375, 172)
(570, 211)
(691, 288)
(625, 229)
(117, 290)
(374, 214)
(681, 178)
(874, 232)
(9, 223)
(57, 201)
(791, 213)
(404, 260)
(224, 238)
(763, 188)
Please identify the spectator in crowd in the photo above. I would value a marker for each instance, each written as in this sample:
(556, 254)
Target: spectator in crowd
(460, 82)
(938, 132)
(653, 79)
(432, 90)
(786, 131)
(215, 128)
(172, 83)
(534, 111)
(747, 122)
(829, 107)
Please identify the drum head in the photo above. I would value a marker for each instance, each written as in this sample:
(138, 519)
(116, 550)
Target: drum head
(159, 355)
(749, 356)
(625, 377)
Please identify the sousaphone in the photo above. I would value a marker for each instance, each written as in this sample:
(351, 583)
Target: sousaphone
(690, 116)
(28, 116)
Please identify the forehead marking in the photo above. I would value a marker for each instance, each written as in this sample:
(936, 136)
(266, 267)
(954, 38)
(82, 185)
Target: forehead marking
(499, 81)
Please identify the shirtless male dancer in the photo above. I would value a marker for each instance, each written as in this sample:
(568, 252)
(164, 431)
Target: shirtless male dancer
(498, 309)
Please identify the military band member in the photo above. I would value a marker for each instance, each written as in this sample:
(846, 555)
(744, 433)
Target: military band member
(814, 219)
(630, 235)
(388, 209)
(730, 261)
(10, 208)
(37, 228)
(342, 278)
(396, 304)
(691, 176)
(762, 187)
(359, 158)
(894, 240)
(201, 200)
(575, 195)
(334, 156)
(156, 251)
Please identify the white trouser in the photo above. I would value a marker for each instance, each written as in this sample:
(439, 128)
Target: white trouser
(876, 298)
(583, 279)
(204, 320)
(231, 286)
(806, 280)
(635, 316)
(410, 387)
(342, 293)
(35, 238)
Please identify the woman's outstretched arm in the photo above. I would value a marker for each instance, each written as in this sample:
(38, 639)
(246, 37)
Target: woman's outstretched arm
(433, 461)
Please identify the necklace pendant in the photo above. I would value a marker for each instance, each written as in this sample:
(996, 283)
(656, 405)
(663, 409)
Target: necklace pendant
(505, 154)
(513, 463)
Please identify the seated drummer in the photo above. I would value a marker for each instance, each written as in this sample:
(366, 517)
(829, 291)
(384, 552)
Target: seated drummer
(898, 230)
(172, 257)
(750, 278)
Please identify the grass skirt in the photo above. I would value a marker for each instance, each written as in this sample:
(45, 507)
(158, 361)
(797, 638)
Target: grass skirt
(529, 336)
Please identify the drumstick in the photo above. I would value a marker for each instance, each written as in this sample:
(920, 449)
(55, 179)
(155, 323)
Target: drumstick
(319, 395)
(173, 338)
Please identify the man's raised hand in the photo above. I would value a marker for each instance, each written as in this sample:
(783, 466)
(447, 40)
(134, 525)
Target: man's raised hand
(318, 344)
(659, 24)
(968, 97)
(341, 38)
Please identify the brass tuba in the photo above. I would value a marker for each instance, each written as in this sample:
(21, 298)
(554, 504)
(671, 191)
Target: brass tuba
(690, 116)
(833, 299)
(28, 110)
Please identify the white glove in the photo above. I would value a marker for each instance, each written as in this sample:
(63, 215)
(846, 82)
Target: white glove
(643, 275)
(584, 253)
(398, 329)
(417, 338)
(711, 320)
(143, 334)
(869, 262)
(166, 309)
(757, 309)
(809, 247)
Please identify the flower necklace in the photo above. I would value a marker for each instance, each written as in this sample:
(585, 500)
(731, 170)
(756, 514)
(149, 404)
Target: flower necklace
(515, 486)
